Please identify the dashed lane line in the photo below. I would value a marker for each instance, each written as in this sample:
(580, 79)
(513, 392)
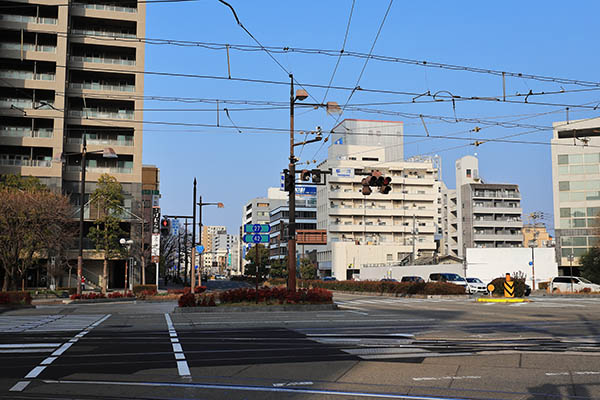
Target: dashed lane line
(21, 385)
(182, 365)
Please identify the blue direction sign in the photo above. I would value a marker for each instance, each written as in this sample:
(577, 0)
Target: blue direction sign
(256, 238)
(199, 249)
(257, 228)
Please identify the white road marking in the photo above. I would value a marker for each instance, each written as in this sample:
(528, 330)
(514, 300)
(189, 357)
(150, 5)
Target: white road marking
(182, 365)
(292, 384)
(19, 386)
(573, 373)
(27, 345)
(446, 378)
(320, 392)
(35, 372)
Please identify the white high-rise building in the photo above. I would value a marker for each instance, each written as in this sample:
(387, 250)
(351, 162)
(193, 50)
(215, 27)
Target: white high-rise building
(378, 228)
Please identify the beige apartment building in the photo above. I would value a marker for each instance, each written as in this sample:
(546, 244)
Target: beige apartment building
(69, 69)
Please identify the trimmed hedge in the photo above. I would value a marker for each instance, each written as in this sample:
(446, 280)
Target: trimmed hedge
(144, 288)
(398, 288)
(15, 297)
(277, 295)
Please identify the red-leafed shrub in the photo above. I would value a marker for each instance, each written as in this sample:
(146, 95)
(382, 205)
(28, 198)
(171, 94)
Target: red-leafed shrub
(200, 289)
(187, 300)
(15, 298)
(279, 295)
(143, 288)
(115, 295)
(178, 291)
(88, 296)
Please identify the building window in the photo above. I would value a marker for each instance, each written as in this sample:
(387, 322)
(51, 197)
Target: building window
(563, 186)
(389, 257)
(262, 204)
(468, 173)
(563, 159)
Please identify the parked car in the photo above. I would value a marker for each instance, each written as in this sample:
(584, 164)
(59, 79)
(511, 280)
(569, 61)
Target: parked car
(449, 278)
(329, 278)
(412, 279)
(475, 285)
(572, 283)
(527, 290)
(388, 280)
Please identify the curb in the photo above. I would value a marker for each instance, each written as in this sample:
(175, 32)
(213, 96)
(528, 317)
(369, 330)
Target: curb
(5, 308)
(409, 296)
(227, 309)
(88, 301)
(501, 300)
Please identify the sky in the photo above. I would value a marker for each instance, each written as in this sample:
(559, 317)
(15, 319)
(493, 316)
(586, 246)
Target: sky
(542, 38)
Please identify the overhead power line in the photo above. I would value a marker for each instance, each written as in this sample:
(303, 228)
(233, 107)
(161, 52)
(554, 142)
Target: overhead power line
(349, 53)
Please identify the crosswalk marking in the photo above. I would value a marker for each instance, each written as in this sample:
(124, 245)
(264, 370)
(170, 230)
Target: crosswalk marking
(46, 323)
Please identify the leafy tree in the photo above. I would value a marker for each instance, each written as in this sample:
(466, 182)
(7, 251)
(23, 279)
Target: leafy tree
(34, 223)
(308, 270)
(590, 265)
(263, 258)
(169, 247)
(279, 268)
(108, 200)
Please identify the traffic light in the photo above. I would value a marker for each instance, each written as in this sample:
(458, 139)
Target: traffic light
(305, 175)
(165, 226)
(385, 187)
(366, 190)
(288, 181)
(316, 175)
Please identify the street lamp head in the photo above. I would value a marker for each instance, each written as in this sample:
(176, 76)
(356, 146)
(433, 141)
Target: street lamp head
(220, 205)
(301, 94)
(122, 241)
(333, 107)
(109, 152)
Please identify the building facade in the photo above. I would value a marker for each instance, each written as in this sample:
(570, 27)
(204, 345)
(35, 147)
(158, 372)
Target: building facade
(576, 188)
(536, 235)
(306, 219)
(378, 228)
(478, 214)
(208, 234)
(66, 72)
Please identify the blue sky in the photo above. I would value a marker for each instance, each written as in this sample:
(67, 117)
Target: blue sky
(550, 38)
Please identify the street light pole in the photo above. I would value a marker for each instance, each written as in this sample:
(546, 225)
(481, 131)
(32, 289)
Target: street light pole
(292, 199)
(571, 269)
(81, 207)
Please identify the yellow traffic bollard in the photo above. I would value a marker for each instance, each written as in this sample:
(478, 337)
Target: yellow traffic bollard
(509, 286)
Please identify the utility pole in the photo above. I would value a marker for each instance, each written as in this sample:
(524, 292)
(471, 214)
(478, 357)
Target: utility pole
(292, 199)
(185, 252)
(414, 239)
(200, 257)
(193, 273)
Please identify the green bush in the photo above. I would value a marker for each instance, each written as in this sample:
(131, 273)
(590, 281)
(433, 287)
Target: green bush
(499, 287)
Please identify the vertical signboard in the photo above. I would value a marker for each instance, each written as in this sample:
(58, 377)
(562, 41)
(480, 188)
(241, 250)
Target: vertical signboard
(155, 250)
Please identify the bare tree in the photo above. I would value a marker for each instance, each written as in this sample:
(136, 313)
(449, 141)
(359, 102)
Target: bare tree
(34, 222)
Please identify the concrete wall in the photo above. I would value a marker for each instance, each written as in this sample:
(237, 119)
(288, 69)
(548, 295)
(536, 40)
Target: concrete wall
(485, 264)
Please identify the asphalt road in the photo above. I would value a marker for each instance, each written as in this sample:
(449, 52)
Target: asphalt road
(372, 347)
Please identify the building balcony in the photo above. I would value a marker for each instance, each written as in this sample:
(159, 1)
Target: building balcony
(98, 32)
(106, 7)
(498, 223)
(119, 141)
(103, 60)
(101, 113)
(100, 170)
(102, 86)
(7, 102)
(496, 237)
(8, 160)
(497, 210)
(28, 47)
(18, 131)
(16, 74)
(28, 19)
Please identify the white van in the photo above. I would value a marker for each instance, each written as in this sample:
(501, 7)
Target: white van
(572, 283)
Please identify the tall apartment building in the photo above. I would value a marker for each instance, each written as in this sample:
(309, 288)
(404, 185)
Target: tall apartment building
(208, 234)
(576, 188)
(69, 69)
(222, 249)
(306, 219)
(478, 214)
(536, 235)
(378, 228)
(257, 211)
